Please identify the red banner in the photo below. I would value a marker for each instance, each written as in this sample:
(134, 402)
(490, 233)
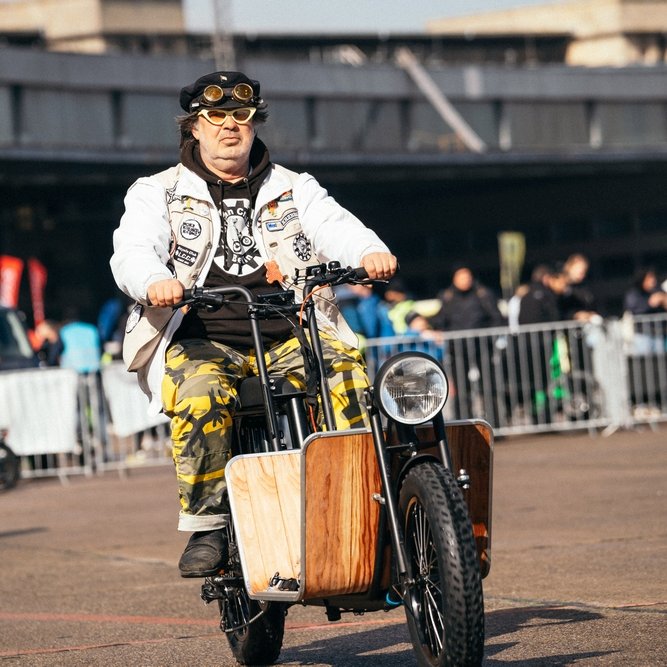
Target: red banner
(11, 269)
(37, 277)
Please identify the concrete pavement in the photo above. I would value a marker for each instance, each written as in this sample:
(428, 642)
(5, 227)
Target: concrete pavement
(579, 550)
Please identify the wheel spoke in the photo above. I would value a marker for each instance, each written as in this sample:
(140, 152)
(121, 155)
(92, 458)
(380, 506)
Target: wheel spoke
(238, 611)
(423, 552)
(424, 557)
(418, 536)
(435, 622)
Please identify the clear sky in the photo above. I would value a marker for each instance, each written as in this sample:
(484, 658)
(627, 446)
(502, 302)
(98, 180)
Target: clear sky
(353, 16)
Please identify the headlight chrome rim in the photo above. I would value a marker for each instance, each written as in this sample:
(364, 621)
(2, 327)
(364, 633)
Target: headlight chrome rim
(411, 388)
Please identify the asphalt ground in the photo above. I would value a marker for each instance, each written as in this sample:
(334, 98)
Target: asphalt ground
(89, 569)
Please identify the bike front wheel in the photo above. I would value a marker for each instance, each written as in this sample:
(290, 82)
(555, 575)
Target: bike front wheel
(444, 604)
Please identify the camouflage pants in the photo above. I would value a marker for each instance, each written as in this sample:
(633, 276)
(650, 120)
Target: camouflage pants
(199, 396)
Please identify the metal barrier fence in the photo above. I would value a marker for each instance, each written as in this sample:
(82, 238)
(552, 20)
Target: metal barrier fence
(554, 377)
(539, 378)
(62, 423)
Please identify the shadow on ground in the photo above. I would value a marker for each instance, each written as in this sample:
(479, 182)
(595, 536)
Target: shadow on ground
(389, 645)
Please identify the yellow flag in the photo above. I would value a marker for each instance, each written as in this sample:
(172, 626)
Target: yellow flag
(512, 253)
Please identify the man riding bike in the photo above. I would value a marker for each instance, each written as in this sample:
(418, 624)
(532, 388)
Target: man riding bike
(227, 215)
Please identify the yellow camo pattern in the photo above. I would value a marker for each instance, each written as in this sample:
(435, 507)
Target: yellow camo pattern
(199, 396)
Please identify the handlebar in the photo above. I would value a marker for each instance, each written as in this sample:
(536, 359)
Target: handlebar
(212, 296)
(279, 304)
(332, 274)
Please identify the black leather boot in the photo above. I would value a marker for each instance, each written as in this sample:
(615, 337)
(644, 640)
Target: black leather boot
(205, 554)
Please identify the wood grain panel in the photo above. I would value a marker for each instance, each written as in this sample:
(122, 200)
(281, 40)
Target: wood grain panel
(341, 516)
(471, 447)
(266, 493)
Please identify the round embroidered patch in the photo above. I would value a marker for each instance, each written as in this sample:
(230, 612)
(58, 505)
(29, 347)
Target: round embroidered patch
(190, 229)
(301, 247)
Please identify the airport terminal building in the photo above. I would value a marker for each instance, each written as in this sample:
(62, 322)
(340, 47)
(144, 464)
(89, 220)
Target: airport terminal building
(439, 141)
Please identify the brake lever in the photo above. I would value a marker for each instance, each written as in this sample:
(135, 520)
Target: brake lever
(196, 297)
(189, 297)
(180, 304)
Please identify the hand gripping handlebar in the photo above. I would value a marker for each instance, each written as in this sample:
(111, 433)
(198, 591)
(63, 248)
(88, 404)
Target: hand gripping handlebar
(313, 276)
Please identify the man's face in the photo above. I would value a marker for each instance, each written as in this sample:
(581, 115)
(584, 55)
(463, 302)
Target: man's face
(558, 283)
(462, 279)
(650, 282)
(225, 147)
(577, 271)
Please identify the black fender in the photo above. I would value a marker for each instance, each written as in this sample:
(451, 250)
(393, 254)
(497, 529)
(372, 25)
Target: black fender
(410, 464)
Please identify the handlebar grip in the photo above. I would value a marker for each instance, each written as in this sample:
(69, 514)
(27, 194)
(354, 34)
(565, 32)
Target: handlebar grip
(188, 296)
(361, 273)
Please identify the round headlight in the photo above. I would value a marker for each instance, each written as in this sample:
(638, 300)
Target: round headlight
(411, 388)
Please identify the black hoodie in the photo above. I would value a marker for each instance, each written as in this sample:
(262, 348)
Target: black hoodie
(237, 259)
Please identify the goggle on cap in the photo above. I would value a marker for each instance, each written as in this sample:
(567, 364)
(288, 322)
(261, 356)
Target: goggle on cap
(220, 90)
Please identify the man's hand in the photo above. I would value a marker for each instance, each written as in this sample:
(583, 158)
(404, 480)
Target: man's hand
(658, 300)
(379, 265)
(165, 292)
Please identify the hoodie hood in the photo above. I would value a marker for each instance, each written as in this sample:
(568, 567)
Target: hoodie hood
(260, 163)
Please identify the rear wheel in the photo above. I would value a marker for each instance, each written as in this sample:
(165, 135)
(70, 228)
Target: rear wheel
(254, 629)
(446, 613)
(259, 642)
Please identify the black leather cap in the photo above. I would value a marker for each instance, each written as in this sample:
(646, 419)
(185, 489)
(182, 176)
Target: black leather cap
(191, 97)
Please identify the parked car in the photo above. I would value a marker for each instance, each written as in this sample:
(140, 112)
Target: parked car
(15, 348)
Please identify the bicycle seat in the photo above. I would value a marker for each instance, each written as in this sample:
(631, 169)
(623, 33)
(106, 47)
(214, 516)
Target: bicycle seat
(250, 390)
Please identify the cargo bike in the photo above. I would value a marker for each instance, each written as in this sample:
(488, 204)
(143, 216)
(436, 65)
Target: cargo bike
(354, 521)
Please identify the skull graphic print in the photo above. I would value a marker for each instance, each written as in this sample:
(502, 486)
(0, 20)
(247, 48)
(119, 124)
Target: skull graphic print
(237, 252)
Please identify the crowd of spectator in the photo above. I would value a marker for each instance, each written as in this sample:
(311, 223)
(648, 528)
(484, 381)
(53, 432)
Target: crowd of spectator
(553, 294)
(387, 311)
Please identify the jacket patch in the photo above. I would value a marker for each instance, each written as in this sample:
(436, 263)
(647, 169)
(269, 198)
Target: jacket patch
(171, 193)
(272, 206)
(133, 318)
(190, 229)
(185, 255)
(301, 246)
(278, 225)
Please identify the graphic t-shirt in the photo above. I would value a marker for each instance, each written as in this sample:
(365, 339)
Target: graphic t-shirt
(237, 252)
(237, 259)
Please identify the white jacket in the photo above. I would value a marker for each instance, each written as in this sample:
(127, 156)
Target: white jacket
(143, 240)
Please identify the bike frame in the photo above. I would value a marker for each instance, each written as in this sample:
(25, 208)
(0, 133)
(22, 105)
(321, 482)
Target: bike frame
(394, 460)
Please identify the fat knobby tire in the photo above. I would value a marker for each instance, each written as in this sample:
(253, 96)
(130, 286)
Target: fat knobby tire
(454, 571)
(260, 642)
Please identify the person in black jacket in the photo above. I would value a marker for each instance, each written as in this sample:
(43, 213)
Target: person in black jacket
(578, 301)
(539, 302)
(645, 297)
(466, 304)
